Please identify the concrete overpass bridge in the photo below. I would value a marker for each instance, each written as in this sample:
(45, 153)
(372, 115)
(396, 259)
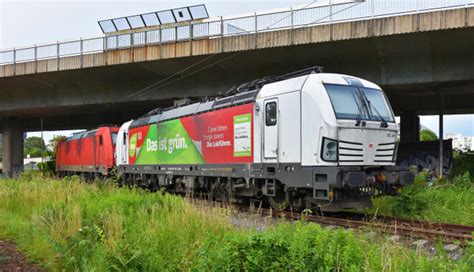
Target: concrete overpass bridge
(419, 52)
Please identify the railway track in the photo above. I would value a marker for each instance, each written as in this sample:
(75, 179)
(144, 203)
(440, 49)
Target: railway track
(410, 228)
(395, 226)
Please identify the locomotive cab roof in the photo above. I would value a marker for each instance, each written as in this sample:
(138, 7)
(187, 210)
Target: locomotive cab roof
(245, 93)
(81, 134)
(87, 133)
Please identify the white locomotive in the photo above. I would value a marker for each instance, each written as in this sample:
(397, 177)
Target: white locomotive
(304, 139)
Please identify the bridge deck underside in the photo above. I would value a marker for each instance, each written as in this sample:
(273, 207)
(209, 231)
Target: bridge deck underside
(415, 70)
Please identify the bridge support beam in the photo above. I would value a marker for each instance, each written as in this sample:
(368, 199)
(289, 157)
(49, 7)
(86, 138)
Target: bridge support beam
(441, 138)
(409, 127)
(12, 148)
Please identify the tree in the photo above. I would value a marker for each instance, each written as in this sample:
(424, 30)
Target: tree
(427, 135)
(53, 144)
(35, 147)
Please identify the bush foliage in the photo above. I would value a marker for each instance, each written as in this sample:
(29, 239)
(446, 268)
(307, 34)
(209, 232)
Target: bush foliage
(34, 146)
(442, 200)
(463, 161)
(427, 135)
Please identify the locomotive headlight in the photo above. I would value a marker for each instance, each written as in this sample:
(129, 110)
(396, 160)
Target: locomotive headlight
(329, 150)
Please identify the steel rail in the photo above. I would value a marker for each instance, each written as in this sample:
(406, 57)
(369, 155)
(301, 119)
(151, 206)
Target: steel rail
(391, 225)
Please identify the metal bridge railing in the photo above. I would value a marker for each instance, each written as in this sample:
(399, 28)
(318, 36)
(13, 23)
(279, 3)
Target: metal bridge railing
(293, 18)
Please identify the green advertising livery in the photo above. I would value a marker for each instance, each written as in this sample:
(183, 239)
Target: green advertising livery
(242, 135)
(168, 143)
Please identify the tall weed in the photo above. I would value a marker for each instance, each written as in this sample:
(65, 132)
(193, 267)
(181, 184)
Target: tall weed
(75, 226)
(450, 201)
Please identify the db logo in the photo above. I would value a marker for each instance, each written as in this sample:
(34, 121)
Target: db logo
(371, 145)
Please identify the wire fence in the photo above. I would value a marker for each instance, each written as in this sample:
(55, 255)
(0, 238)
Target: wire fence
(293, 18)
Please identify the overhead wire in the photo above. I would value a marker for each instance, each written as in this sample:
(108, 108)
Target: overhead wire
(197, 63)
(157, 85)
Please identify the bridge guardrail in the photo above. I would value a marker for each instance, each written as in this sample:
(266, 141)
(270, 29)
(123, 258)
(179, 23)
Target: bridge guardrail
(224, 27)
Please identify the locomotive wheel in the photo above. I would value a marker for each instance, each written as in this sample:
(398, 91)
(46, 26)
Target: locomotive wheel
(122, 180)
(281, 200)
(153, 184)
(220, 193)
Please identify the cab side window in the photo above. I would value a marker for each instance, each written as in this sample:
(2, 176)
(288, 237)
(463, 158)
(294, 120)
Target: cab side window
(270, 114)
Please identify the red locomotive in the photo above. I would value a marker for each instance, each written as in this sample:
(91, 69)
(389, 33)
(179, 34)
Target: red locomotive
(89, 153)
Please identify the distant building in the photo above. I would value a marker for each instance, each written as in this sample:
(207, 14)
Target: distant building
(32, 163)
(461, 142)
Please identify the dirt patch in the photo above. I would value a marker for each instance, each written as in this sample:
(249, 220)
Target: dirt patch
(12, 260)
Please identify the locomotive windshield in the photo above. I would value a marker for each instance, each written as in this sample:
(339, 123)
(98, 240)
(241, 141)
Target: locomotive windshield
(359, 103)
(114, 138)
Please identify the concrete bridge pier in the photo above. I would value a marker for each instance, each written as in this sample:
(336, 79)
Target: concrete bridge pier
(410, 131)
(12, 148)
(409, 127)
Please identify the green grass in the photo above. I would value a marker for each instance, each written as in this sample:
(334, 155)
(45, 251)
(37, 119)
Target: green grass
(69, 225)
(463, 161)
(440, 200)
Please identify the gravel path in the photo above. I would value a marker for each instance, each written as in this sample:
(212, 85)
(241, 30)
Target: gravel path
(12, 260)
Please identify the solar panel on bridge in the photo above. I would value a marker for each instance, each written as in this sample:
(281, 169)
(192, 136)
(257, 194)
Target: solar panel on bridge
(107, 26)
(121, 24)
(136, 21)
(182, 14)
(154, 18)
(166, 17)
(151, 19)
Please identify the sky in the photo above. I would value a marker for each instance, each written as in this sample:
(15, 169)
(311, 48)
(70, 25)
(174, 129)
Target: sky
(462, 124)
(25, 23)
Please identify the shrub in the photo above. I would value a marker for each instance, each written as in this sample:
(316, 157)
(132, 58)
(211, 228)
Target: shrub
(450, 201)
(410, 201)
(47, 168)
(464, 180)
(463, 161)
